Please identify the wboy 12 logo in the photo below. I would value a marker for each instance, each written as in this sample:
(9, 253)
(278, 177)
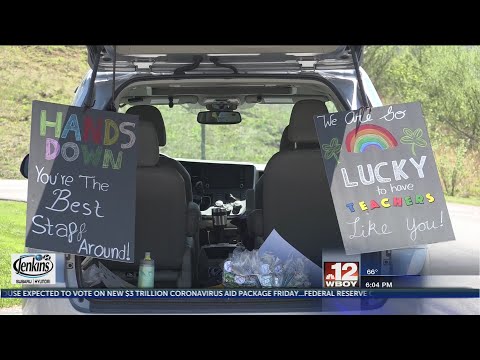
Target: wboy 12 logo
(340, 274)
(36, 269)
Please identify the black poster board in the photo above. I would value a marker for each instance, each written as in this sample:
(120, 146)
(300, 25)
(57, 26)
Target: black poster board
(383, 178)
(81, 183)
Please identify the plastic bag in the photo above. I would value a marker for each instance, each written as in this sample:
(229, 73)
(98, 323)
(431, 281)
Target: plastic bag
(295, 274)
(92, 276)
(96, 274)
(248, 269)
(240, 269)
(271, 271)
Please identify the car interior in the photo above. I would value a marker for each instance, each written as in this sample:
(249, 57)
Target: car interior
(192, 213)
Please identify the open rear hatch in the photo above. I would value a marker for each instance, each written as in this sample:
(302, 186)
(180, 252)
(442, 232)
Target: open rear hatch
(197, 59)
(187, 60)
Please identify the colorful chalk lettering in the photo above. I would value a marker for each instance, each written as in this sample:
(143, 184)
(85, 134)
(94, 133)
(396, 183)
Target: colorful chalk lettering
(81, 188)
(92, 130)
(383, 172)
(369, 137)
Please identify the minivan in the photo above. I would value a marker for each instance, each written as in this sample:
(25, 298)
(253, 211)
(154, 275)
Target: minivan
(263, 168)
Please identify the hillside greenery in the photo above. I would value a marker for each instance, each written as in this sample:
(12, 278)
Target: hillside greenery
(27, 73)
(446, 80)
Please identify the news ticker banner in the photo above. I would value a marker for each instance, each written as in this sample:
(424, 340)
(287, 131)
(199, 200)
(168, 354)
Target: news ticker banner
(239, 293)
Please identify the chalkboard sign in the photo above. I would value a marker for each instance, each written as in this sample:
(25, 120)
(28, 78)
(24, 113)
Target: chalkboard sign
(383, 178)
(81, 182)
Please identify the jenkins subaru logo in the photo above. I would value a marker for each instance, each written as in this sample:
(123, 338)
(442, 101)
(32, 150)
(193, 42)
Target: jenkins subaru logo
(33, 269)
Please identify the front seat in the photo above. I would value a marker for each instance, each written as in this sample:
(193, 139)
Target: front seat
(296, 196)
(285, 144)
(152, 114)
(166, 220)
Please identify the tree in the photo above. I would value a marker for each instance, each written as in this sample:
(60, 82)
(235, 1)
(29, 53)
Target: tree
(445, 79)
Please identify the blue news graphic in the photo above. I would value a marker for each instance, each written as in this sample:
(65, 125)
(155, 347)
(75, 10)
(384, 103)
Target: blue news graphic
(240, 293)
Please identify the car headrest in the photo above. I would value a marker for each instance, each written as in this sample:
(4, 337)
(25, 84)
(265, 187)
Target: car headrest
(302, 128)
(286, 144)
(147, 144)
(149, 113)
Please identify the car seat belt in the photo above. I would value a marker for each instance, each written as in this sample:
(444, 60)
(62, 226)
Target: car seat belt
(365, 102)
(89, 101)
(112, 104)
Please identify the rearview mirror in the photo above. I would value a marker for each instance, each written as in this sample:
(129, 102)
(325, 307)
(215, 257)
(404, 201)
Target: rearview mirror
(219, 117)
(24, 166)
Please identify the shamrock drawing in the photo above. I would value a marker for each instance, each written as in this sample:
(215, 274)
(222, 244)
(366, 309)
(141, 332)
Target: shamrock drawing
(332, 149)
(413, 138)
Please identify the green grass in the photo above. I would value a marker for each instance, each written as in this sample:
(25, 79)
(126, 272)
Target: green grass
(12, 241)
(461, 200)
(27, 73)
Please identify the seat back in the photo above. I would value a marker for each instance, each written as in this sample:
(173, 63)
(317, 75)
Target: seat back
(296, 195)
(161, 203)
(152, 114)
(166, 222)
(285, 144)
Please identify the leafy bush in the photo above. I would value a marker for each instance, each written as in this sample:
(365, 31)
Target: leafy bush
(446, 80)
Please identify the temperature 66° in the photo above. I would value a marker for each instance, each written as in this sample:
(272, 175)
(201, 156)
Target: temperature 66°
(372, 271)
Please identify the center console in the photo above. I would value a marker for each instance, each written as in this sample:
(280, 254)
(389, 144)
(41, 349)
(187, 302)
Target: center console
(212, 181)
(220, 189)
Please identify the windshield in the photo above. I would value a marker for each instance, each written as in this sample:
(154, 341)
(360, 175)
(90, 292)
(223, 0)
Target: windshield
(256, 139)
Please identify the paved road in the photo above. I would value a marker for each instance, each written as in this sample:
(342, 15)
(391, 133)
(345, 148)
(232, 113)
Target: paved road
(14, 310)
(460, 257)
(13, 190)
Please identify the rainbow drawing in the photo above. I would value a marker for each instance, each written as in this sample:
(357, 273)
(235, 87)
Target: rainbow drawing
(369, 137)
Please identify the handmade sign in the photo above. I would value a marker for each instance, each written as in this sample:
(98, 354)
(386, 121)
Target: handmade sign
(81, 182)
(383, 178)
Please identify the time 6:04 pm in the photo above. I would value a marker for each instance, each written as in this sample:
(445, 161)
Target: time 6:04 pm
(378, 284)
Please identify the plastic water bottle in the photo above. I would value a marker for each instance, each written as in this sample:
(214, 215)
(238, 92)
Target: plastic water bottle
(146, 273)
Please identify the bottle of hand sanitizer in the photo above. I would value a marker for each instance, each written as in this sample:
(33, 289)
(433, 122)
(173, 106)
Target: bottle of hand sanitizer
(146, 273)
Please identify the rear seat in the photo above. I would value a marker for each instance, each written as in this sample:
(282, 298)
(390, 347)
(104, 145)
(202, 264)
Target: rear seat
(166, 221)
